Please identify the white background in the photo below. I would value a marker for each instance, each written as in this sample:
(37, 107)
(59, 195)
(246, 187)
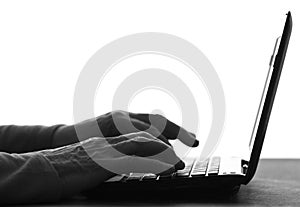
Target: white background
(45, 44)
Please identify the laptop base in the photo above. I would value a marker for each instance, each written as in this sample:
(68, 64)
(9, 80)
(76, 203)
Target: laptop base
(191, 189)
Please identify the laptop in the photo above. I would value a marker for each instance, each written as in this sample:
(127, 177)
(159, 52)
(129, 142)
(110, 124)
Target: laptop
(215, 175)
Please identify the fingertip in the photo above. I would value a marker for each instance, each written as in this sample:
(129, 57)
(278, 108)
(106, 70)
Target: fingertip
(180, 165)
(196, 143)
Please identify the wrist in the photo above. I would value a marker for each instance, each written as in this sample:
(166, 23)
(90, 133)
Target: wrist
(75, 169)
(64, 135)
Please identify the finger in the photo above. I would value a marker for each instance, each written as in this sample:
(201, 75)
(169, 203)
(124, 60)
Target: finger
(130, 164)
(143, 126)
(126, 126)
(170, 131)
(139, 144)
(121, 138)
(151, 148)
(123, 124)
(128, 144)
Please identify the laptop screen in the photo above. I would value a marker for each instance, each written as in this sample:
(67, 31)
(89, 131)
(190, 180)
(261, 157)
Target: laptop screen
(264, 94)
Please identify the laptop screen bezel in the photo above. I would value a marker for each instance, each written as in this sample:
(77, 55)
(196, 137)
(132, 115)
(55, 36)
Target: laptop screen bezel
(269, 100)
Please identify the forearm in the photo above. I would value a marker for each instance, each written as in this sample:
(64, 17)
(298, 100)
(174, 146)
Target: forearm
(69, 134)
(48, 175)
(28, 178)
(63, 136)
(22, 139)
(76, 169)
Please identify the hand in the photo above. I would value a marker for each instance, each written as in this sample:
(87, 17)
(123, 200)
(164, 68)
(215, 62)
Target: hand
(79, 170)
(120, 122)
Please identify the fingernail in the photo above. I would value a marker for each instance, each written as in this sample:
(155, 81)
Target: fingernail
(196, 143)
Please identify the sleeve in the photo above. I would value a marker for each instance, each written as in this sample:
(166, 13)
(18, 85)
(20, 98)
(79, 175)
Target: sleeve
(21, 139)
(28, 178)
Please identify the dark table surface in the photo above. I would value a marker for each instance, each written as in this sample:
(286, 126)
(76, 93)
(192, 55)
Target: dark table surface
(276, 183)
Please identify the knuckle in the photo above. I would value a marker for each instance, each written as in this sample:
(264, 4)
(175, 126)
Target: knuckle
(159, 119)
(159, 116)
(118, 113)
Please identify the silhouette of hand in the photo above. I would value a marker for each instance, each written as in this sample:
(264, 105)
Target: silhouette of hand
(121, 122)
(84, 165)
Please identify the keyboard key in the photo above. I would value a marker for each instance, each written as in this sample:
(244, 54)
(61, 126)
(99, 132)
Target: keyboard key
(149, 176)
(117, 178)
(214, 166)
(200, 168)
(166, 177)
(186, 171)
(134, 177)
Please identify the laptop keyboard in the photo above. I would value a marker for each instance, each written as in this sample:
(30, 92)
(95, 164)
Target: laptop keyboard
(193, 168)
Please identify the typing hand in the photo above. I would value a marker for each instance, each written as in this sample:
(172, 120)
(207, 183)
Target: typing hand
(121, 122)
(84, 165)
